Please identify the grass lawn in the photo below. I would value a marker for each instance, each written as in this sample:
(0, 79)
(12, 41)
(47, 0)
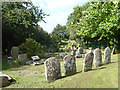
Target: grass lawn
(29, 76)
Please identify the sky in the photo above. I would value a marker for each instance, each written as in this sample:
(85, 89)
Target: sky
(59, 11)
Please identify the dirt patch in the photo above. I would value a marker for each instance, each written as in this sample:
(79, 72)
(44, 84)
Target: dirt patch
(28, 73)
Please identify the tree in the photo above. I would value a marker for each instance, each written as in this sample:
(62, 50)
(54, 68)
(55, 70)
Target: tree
(60, 33)
(74, 19)
(40, 35)
(18, 19)
(98, 22)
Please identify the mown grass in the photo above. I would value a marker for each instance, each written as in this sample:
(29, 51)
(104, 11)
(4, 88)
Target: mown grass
(29, 76)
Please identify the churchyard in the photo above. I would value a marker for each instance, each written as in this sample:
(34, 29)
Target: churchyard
(82, 53)
(33, 76)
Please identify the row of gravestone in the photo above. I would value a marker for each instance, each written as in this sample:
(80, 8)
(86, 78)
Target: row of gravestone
(15, 54)
(23, 57)
(53, 69)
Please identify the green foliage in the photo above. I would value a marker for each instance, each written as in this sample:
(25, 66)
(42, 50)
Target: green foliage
(40, 35)
(60, 33)
(96, 21)
(18, 21)
(31, 47)
(16, 63)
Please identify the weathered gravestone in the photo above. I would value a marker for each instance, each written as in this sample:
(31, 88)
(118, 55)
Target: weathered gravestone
(4, 80)
(52, 69)
(70, 63)
(107, 55)
(79, 50)
(97, 57)
(23, 57)
(14, 52)
(88, 61)
(73, 49)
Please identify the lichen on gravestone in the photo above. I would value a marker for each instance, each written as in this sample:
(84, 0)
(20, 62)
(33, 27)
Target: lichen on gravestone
(97, 57)
(52, 69)
(107, 55)
(69, 65)
(88, 61)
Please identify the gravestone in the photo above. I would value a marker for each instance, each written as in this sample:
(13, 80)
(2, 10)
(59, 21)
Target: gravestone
(107, 55)
(69, 65)
(23, 57)
(88, 61)
(97, 57)
(52, 69)
(14, 52)
(4, 80)
(79, 50)
(73, 49)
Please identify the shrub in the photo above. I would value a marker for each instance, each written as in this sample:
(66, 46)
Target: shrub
(16, 63)
(30, 47)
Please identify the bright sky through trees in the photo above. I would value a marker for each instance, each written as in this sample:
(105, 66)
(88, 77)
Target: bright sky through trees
(59, 10)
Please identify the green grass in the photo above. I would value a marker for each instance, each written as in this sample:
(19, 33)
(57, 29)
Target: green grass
(28, 76)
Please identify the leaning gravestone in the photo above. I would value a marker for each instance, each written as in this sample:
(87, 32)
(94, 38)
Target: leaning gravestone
(88, 61)
(52, 69)
(14, 52)
(97, 57)
(22, 57)
(107, 55)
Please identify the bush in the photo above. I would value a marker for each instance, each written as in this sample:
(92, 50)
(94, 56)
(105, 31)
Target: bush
(16, 63)
(30, 47)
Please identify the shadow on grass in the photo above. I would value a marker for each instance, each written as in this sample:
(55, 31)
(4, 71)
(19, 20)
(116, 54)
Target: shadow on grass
(109, 63)
(70, 75)
(114, 62)
(98, 68)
